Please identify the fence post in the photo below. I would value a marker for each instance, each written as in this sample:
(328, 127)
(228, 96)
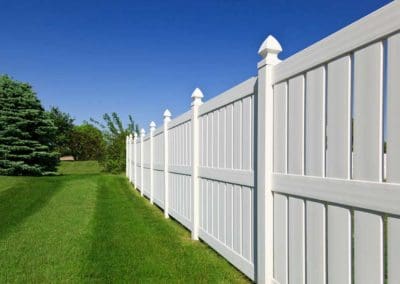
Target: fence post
(269, 51)
(130, 157)
(134, 158)
(126, 156)
(142, 133)
(167, 118)
(197, 95)
(152, 128)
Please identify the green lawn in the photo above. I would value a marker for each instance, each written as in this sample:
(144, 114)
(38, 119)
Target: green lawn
(85, 226)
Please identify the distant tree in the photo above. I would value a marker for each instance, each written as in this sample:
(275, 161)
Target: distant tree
(26, 132)
(87, 143)
(115, 134)
(64, 124)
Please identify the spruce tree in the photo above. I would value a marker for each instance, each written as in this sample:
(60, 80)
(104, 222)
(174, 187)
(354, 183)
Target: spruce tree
(27, 134)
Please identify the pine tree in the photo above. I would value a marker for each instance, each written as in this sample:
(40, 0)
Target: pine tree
(26, 132)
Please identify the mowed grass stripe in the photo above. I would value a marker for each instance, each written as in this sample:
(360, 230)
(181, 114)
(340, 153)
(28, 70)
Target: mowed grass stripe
(93, 227)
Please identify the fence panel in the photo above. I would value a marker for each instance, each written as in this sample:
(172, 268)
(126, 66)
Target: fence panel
(321, 160)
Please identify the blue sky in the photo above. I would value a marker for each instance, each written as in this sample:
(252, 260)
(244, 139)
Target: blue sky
(140, 57)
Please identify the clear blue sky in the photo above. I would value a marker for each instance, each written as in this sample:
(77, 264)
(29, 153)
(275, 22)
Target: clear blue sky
(140, 57)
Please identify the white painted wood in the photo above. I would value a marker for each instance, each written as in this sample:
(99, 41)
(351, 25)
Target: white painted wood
(338, 152)
(315, 122)
(381, 197)
(378, 24)
(269, 51)
(368, 86)
(339, 245)
(316, 245)
(236, 259)
(368, 248)
(280, 127)
(295, 125)
(239, 177)
(236, 93)
(196, 96)
(281, 238)
(167, 119)
(297, 273)
(393, 108)
(393, 249)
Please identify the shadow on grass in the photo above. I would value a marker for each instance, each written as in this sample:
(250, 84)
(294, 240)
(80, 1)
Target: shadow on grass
(24, 199)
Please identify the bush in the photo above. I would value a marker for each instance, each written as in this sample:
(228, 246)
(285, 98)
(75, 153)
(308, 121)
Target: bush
(87, 143)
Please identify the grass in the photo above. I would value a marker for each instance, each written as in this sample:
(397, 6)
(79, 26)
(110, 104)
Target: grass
(86, 226)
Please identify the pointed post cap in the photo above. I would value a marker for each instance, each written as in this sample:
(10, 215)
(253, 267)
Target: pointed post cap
(142, 132)
(269, 50)
(130, 136)
(135, 134)
(197, 95)
(152, 126)
(167, 115)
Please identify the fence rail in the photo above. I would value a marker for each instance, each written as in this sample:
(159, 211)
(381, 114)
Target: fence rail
(287, 174)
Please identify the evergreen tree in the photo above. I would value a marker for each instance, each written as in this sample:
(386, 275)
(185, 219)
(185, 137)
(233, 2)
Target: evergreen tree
(64, 124)
(27, 134)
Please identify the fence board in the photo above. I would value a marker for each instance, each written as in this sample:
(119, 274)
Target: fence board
(315, 122)
(296, 241)
(280, 127)
(316, 248)
(295, 125)
(339, 245)
(281, 238)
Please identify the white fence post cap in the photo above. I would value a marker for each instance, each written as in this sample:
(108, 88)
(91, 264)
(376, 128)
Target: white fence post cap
(197, 95)
(270, 49)
(134, 134)
(152, 126)
(142, 132)
(167, 114)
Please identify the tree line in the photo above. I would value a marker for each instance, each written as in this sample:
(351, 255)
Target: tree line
(33, 139)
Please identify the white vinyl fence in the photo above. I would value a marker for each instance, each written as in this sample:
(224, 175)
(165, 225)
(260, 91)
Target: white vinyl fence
(284, 174)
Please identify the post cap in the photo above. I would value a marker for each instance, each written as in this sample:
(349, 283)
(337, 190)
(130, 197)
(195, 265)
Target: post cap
(197, 95)
(167, 113)
(152, 126)
(270, 49)
(134, 134)
(142, 132)
(130, 136)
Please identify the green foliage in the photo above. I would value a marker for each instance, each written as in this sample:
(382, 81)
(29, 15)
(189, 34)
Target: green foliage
(64, 124)
(26, 132)
(115, 134)
(87, 143)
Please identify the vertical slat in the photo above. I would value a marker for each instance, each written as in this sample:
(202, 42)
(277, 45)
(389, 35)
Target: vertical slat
(314, 119)
(296, 241)
(280, 116)
(368, 248)
(237, 135)
(393, 151)
(210, 139)
(229, 215)
(215, 138)
(295, 125)
(222, 141)
(236, 218)
(339, 245)
(222, 210)
(246, 221)
(280, 238)
(229, 136)
(338, 165)
(368, 86)
(246, 135)
(316, 249)
(368, 65)
(215, 208)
